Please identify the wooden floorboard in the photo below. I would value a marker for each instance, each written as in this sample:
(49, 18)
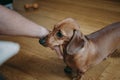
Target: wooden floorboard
(34, 62)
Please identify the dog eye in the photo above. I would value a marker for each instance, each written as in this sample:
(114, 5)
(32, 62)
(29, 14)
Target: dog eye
(59, 34)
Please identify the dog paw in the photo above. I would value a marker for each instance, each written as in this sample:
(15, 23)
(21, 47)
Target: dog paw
(68, 70)
(75, 79)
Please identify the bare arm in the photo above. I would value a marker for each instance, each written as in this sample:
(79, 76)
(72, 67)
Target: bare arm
(14, 24)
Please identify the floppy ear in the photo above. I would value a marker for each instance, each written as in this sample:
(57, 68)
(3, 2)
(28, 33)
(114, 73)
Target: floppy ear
(76, 43)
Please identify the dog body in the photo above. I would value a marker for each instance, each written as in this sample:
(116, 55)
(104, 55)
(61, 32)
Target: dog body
(97, 47)
(106, 41)
(80, 52)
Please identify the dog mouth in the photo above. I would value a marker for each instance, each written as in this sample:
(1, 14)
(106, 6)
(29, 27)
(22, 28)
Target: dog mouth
(59, 51)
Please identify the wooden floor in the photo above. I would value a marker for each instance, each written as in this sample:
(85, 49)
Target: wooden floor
(35, 62)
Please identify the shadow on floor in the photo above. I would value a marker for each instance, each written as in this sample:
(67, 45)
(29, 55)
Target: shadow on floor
(116, 54)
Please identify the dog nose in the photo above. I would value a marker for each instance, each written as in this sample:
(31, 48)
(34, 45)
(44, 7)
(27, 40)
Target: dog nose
(42, 41)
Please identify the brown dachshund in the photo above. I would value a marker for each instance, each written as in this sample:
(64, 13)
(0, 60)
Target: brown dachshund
(79, 51)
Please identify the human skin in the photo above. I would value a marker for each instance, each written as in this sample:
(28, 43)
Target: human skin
(14, 24)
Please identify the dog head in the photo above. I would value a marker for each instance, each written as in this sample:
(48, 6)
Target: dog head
(66, 35)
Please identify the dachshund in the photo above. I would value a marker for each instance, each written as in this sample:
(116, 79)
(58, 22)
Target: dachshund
(80, 52)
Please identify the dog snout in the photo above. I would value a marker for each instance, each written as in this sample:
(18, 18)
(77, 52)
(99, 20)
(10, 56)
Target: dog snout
(43, 41)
